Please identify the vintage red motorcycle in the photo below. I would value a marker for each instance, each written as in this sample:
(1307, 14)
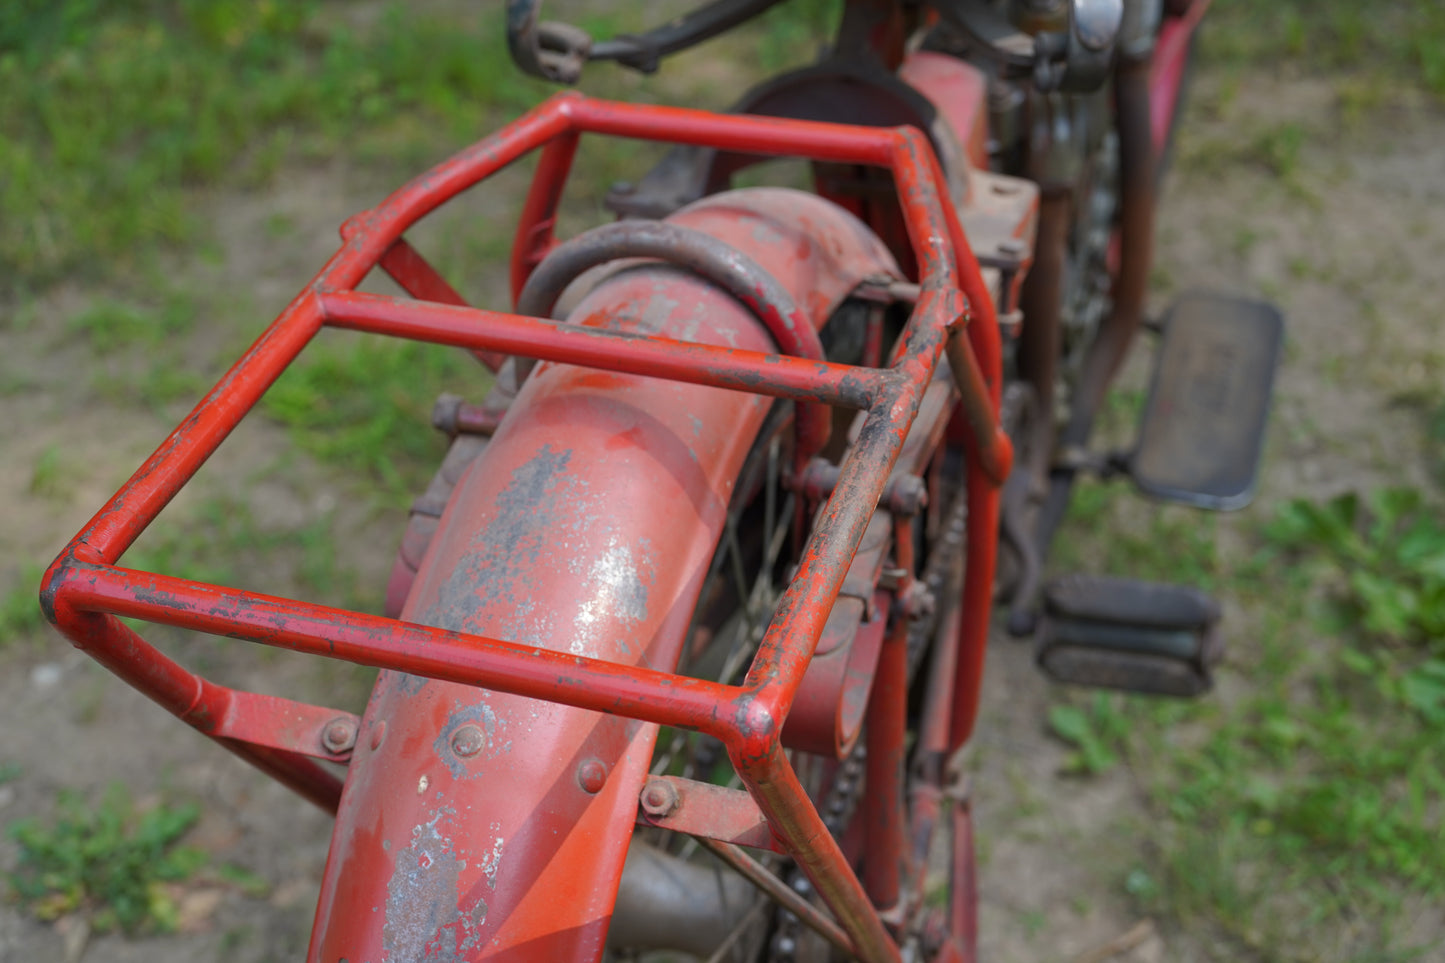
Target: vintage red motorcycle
(686, 630)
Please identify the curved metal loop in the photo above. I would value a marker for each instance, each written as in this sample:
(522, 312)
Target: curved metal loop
(710, 259)
(550, 50)
(557, 51)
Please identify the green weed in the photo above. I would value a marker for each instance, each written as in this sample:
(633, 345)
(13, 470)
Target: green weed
(223, 542)
(47, 476)
(19, 608)
(1096, 733)
(794, 33)
(114, 112)
(244, 880)
(1388, 549)
(108, 326)
(1295, 820)
(364, 406)
(1435, 441)
(107, 862)
(1402, 41)
(1172, 544)
(1279, 148)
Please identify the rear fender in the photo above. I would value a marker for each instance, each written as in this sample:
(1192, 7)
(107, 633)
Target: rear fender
(476, 824)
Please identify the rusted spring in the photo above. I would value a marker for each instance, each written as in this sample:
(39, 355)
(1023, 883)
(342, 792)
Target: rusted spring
(710, 259)
(791, 901)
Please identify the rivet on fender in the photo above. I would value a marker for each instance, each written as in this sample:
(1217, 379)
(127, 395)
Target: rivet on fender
(592, 776)
(468, 740)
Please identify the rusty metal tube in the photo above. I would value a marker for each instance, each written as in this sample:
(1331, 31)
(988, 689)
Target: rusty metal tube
(1041, 301)
(713, 259)
(883, 813)
(1136, 241)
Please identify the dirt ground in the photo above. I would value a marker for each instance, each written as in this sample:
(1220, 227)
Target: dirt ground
(1347, 240)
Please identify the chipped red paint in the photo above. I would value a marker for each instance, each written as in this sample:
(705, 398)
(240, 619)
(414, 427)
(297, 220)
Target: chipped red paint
(84, 590)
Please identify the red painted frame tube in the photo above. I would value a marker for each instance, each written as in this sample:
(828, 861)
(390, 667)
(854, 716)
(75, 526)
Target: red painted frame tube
(84, 580)
(777, 375)
(883, 816)
(1170, 60)
(193, 700)
(389, 644)
(419, 279)
(539, 213)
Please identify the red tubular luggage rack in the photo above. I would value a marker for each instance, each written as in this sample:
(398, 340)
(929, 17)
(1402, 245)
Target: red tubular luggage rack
(84, 591)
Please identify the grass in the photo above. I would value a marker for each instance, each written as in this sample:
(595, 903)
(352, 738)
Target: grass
(19, 611)
(48, 475)
(1403, 42)
(224, 542)
(363, 406)
(1298, 812)
(109, 325)
(114, 114)
(1373, 57)
(108, 862)
(1300, 816)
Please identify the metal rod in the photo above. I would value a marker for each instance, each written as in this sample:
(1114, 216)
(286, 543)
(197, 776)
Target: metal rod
(539, 212)
(883, 815)
(538, 673)
(759, 876)
(796, 823)
(405, 265)
(769, 374)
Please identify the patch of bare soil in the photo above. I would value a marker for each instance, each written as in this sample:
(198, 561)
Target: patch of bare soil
(1343, 242)
(1346, 242)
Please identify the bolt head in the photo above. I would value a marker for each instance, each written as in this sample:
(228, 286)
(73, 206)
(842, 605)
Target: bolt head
(339, 735)
(659, 798)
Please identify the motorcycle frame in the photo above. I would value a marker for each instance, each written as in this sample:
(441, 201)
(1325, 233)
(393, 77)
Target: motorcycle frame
(85, 591)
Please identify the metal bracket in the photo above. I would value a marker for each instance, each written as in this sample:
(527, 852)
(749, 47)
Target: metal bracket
(702, 809)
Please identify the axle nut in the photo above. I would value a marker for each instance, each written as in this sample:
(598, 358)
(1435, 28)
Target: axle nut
(659, 798)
